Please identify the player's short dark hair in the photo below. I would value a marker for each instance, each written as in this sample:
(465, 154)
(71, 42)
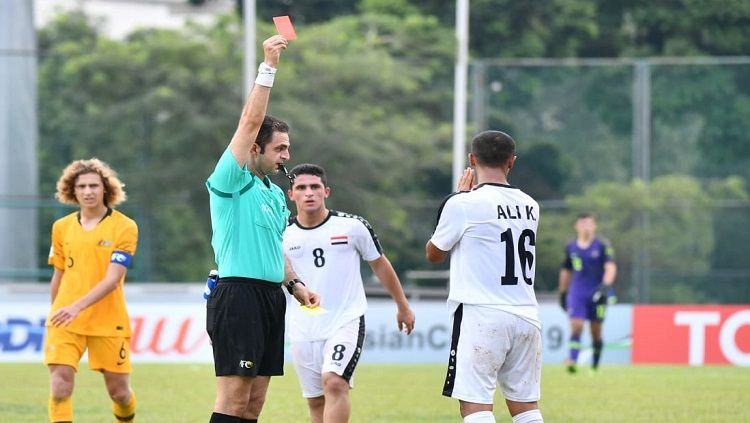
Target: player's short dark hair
(269, 126)
(309, 169)
(493, 148)
(585, 215)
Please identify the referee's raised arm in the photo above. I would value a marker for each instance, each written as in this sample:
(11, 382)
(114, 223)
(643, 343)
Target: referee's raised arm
(257, 102)
(248, 217)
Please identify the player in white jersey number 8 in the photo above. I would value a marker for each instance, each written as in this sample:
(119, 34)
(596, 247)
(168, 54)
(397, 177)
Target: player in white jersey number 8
(325, 248)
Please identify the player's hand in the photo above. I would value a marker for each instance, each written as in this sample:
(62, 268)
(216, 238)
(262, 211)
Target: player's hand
(405, 319)
(305, 296)
(611, 297)
(466, 182)
(272, 49)
(64, 316)
(564, 300)
(600, 295)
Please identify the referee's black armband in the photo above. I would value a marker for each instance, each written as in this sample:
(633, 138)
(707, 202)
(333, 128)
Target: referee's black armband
(291, 283)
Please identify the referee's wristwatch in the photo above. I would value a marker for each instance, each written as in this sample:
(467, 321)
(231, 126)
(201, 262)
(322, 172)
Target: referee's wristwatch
(291, 283)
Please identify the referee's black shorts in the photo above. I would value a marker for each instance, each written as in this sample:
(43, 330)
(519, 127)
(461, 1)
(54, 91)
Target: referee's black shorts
(245, 321)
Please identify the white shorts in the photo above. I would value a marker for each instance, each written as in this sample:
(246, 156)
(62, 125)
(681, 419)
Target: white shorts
(338, 354)
(490, 346)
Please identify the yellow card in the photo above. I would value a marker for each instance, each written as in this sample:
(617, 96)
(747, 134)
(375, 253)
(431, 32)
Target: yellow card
(315, 311)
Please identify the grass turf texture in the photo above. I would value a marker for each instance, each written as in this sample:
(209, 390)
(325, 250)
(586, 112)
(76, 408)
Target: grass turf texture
(399, 393)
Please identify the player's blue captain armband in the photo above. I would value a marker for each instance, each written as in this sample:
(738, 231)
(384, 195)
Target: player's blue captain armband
(121, 257)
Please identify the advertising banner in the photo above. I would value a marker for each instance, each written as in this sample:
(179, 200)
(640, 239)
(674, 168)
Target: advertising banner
(616, 334)
(162, 332)
(175, 332)
(691, 334)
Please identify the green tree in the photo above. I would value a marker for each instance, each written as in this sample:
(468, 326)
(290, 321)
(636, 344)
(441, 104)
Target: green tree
(543, 170)
(369, 96)
(161, 105)
(154, 106)
(601, 28)
(671, 221)
(383, 132)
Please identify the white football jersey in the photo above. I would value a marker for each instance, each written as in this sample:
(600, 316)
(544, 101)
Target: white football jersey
(491, 235)
(327, 259)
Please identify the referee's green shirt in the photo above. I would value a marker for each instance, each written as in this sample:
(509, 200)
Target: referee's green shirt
(248, 217)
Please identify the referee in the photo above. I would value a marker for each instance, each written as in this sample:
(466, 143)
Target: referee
(245, 312)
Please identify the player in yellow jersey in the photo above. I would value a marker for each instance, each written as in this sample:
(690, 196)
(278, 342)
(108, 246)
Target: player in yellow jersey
(91, 252)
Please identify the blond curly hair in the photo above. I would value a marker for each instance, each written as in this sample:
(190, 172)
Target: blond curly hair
(114, 193)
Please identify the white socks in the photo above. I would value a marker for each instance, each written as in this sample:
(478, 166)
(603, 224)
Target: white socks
(480, 417)
(531, 416)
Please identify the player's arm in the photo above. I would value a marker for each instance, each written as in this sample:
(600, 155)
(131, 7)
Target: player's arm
(434, 254)
(383, 269)
(256, 106)
(56, 259)
(297, 288)
(65, 315)
(610, 267)
(610, 273)
(563, 279)
(563, 282)
(605, 293)
(449, 229)
(54, 283)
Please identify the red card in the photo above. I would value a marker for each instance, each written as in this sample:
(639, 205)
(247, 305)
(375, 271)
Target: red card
(284, 27)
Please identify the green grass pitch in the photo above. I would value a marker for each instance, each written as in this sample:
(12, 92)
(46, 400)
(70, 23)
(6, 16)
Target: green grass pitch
(184, 393)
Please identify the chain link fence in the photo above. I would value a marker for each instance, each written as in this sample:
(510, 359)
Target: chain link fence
(659, 148)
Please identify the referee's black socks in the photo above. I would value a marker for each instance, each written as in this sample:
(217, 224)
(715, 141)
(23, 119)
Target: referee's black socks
(224, 418)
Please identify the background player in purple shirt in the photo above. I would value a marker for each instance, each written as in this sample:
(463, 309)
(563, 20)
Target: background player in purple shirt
(586, 279)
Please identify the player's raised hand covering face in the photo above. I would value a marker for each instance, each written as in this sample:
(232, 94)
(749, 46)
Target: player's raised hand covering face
(467, 181)
(272, 49)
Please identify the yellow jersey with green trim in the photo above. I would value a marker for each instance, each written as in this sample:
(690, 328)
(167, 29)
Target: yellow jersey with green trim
(84, 257)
